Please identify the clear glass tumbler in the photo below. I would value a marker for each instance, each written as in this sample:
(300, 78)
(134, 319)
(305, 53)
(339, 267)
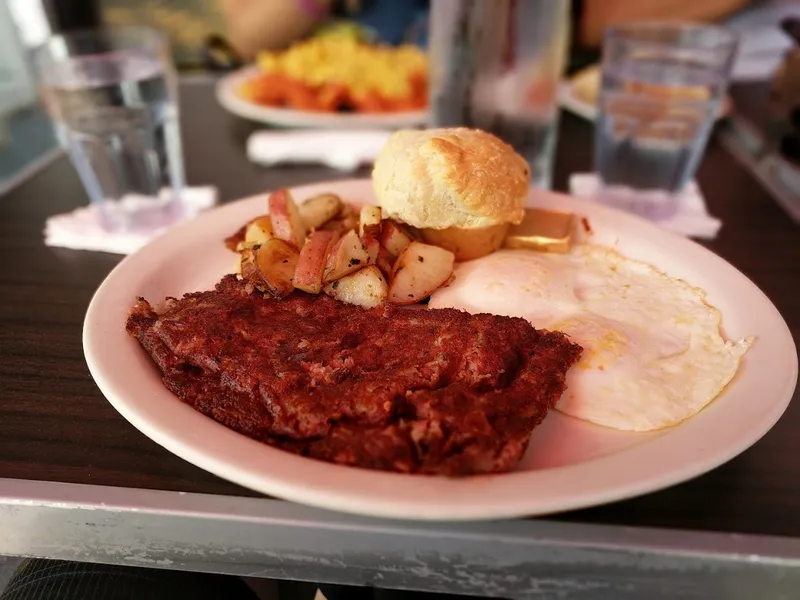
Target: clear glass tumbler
(662, 88)
(496, 65)
(112, 96)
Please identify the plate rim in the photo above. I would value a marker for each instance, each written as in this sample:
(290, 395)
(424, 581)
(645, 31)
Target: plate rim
(230, 101)
(425, 507)
(570, 101)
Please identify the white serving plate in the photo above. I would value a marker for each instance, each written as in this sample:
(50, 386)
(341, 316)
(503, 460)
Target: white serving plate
(570, 463)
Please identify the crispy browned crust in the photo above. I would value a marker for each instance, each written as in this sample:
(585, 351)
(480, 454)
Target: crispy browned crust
(422, 391)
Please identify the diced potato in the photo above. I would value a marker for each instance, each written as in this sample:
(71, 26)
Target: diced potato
(348, 216)
(233, 241)
(369, 222)
(320, 209)
(271, 266)
(311, 264)
(394, 237)
(247, 265)
(419, 271)
(338, 226)
(345, 256)
(385, 261)
(366, 288)
(287, 224)
(344, 221)
(258, 231)
(373, 248)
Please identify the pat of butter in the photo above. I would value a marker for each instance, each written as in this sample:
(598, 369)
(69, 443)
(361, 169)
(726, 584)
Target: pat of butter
(542, 230)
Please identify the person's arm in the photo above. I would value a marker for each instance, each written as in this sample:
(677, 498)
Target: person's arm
(254, 25)
(598, 14)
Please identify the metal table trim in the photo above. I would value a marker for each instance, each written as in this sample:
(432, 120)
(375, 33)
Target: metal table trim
(270, 538)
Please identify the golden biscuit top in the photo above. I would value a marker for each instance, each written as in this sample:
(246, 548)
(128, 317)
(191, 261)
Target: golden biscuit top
(456, 177)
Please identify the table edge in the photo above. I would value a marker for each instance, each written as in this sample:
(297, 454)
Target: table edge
(263, 537)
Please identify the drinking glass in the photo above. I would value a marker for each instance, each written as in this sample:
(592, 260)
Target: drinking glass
(112, 96)
(496, 66)
(662, 88)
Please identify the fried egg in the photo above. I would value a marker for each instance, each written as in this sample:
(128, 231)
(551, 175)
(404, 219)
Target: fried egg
(653, 352)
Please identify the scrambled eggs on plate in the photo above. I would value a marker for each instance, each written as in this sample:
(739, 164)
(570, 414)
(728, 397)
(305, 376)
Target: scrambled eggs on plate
(330, 73)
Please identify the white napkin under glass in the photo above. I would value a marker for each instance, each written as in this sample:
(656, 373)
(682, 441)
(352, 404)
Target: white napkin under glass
(690, 217)
(82, 228)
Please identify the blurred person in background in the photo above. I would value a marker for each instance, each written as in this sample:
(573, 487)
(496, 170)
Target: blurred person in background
(190, 24)
(593, 16)
(254, 25)
(250, 26)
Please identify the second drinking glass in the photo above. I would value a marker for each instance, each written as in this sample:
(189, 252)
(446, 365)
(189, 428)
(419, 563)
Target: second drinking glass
(662, 90)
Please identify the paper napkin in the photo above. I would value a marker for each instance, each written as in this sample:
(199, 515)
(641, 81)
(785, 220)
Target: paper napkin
(690, 218)
(81, 229)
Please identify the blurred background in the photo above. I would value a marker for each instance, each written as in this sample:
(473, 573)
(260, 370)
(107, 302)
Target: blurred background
(210, 37)
(26, 136)
(253, 95)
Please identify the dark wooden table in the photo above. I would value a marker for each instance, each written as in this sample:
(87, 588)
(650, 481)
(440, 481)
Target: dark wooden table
(55, 426)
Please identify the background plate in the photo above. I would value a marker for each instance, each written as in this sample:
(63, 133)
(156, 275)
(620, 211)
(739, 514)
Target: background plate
(569, 100)
(284, 117)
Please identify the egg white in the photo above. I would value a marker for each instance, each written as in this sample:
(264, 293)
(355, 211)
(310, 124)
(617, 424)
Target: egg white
(653, 353)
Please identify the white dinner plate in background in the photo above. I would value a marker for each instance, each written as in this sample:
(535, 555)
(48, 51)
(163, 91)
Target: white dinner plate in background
(229, 98)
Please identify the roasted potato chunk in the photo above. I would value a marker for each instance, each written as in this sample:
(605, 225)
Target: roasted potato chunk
(385, 261)
(366, 288)
(419, 271)
(320, 209)
(394, 237)
(270, 267)
(311, 264)
(372, 247)
(287, 224)
(258, 231)
(369, 222)
(346, 256)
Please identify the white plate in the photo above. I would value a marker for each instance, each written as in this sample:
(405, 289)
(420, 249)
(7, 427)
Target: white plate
(570, 464)
(231, 101)
(569, 100)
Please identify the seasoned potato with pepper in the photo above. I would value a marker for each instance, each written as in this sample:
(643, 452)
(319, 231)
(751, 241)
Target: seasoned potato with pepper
(419, 271)
(320, 209)
(270, 267)
(287, 224)
(346, 256)
(366, 288)
(369, 222)
(311, 264)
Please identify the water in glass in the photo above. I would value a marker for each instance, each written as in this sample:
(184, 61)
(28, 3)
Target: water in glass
(116, 115)
(659, 99)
